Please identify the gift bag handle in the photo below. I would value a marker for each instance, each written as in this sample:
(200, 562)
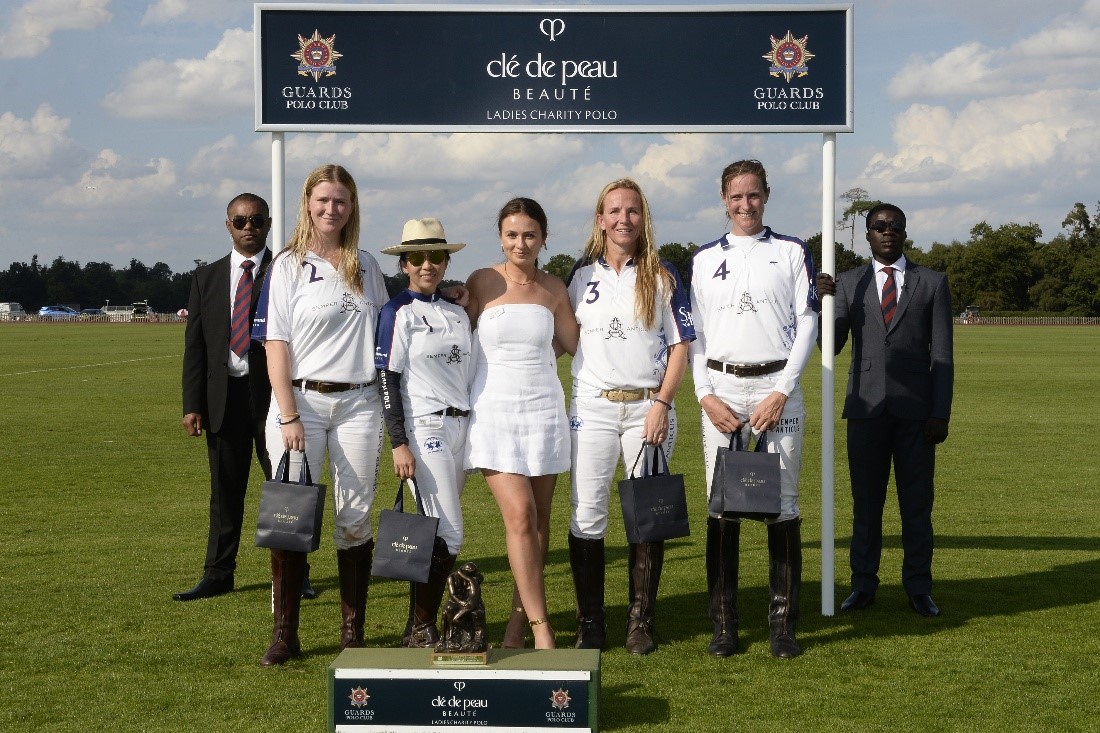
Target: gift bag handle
(399, 503)
(761, 441)
(282, 473)
(648, 468)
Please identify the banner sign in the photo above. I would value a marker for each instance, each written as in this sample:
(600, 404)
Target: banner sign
(470, 68)
(399, 691)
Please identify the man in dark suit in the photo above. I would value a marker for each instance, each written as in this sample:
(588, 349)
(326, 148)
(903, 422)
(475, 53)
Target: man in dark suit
(898, 401)
(225, 386)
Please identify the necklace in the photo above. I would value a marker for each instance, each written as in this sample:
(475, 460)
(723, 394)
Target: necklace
(517, 282)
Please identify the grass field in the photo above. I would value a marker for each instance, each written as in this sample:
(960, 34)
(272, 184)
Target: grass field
(103, 507)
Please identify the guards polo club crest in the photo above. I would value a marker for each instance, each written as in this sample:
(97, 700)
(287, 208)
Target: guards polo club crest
(359, 697)
(316, 56)
(789, 56)
(560, 699)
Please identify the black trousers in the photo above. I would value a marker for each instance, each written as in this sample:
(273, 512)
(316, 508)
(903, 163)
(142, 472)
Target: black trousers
(873, 445)
(230, 451)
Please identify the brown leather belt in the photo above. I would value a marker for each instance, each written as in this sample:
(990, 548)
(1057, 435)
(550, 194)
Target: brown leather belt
(328, 387)
(746, 370)
(627, 395)
(453, 412)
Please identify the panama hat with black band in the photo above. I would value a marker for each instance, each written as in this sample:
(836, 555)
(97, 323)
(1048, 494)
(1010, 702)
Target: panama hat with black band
(420, 235)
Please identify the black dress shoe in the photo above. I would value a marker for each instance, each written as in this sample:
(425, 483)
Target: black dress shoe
(922, 603)
(858, 601)
(206, 588)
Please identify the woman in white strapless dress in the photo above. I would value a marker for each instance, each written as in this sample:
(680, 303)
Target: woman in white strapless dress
(519, 435)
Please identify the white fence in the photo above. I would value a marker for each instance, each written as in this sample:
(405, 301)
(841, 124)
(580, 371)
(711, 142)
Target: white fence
(1028, 321)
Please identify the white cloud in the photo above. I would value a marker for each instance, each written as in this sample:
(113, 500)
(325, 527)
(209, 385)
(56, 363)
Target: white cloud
(34, 147)
(28, 28)
(214, 86)
(113, 182)
(167, 11)
(1061, 54)
(987, 143)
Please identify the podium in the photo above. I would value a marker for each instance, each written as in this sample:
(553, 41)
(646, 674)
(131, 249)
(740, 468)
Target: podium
(401, 691)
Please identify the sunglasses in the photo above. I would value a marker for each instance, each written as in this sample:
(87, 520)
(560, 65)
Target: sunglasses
(256, 220)
(436, 256)
(881, 226)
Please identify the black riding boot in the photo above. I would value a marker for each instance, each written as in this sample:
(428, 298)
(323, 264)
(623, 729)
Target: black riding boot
(785, 553)
(723, 545)
(586, 558)
(424, 600)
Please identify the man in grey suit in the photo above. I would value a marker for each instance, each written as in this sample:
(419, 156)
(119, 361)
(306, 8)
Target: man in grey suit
(898, 401)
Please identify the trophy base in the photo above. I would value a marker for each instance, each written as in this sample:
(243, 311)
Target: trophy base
(460, 659)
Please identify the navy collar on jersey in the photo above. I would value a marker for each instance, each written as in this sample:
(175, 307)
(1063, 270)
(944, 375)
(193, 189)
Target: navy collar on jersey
(602, 261)
(762, 234)
(426, 297)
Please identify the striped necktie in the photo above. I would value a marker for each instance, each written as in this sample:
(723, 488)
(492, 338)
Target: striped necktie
(239, 326)
(889, 296)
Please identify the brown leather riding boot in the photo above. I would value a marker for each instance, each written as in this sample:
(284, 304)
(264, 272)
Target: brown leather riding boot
(287, 570)
(646, 561)
(354, 566)
(424, 600)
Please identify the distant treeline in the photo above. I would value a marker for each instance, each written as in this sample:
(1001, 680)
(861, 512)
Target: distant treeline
(1007, 268)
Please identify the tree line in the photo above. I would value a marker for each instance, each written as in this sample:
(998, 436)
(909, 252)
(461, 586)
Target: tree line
(1004, 269)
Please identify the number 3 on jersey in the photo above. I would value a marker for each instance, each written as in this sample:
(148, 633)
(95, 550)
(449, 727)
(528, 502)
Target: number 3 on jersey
(593, 294)
(721, 272)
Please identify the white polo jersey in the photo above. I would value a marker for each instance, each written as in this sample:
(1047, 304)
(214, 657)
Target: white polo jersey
(427, 339)
(747, 294)
(328, 329)
(616, 350)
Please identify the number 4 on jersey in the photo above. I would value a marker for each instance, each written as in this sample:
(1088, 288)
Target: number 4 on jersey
(721, 272)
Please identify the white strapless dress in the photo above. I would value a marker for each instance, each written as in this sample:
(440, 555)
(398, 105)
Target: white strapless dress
(518, 422)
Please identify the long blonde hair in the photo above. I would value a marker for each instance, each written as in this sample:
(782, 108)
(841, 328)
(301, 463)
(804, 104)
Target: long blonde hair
(304, 232)
(649, 274)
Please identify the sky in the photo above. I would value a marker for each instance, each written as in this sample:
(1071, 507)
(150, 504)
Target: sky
(126, 127)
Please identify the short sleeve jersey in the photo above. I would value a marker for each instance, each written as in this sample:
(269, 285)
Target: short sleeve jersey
(328, 328)
(747, 294)
(616, 350)
(427, 339)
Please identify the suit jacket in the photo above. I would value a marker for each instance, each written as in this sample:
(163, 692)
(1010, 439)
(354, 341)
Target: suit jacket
(206, 345)
(908, 369)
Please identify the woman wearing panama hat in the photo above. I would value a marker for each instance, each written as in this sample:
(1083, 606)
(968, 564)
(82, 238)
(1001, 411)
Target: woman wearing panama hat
(424, 366)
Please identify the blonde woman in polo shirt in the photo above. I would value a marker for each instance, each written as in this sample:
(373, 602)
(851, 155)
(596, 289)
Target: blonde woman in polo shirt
(635, 325)
(316, 317)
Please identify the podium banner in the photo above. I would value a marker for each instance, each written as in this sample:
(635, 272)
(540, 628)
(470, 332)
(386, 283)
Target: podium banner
(519, 690)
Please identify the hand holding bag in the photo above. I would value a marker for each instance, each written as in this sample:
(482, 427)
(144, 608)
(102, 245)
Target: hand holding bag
(654, 504)
(291, 513)
(403, 547)
(746, 483)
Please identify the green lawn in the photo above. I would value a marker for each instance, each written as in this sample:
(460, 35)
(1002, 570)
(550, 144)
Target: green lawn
(103, 515)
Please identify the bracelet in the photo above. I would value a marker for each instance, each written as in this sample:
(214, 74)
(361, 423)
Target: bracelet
(660, 401)
(282, 422)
